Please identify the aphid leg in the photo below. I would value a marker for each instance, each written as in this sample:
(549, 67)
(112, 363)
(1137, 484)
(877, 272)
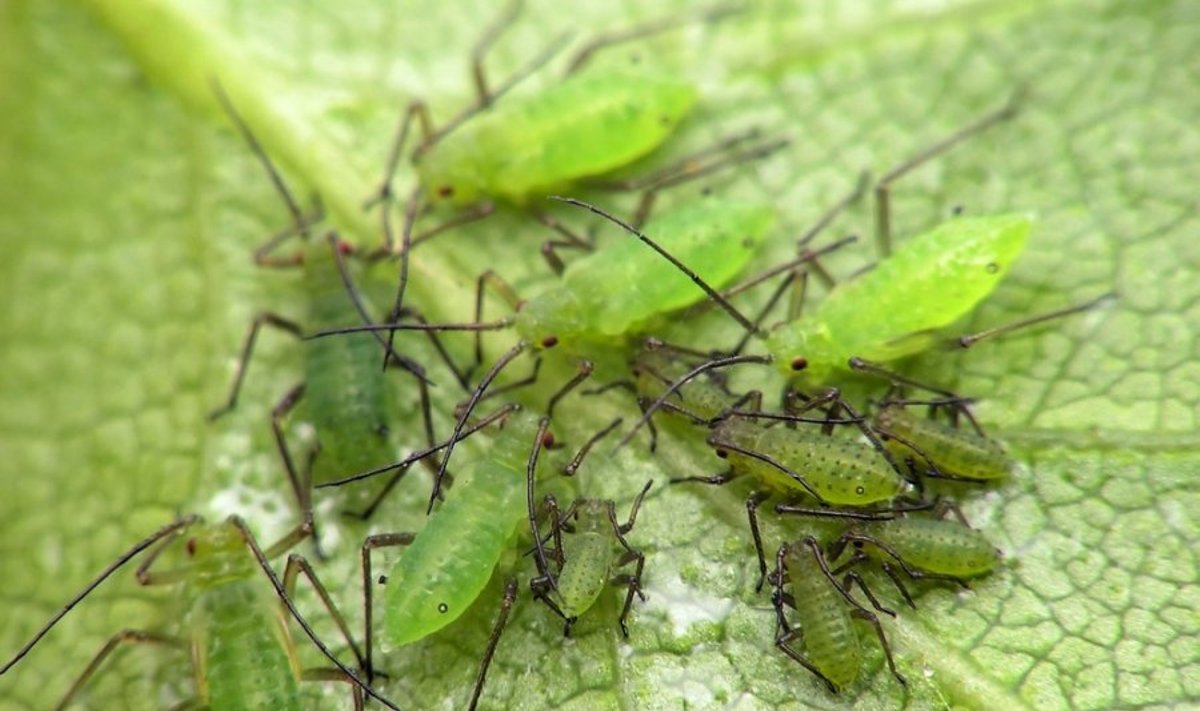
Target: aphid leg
(887, 648)
(752, 504)
(525, 382)
(301, 487)
(943, 506)
(577, 460)
(969, 340)
(544, 580)
(504, 290)
(883, 218)
(891, 573)
(569, 240)
(415, 110)
(642, 405)
(266, 318)
(784, 633)
(297, 565)
(716, 480)
(854, 577)
(584, 372)
(263, 558)
(372, 543)
(793, 276)
(633, 585)
(122, 638)
(506, 603)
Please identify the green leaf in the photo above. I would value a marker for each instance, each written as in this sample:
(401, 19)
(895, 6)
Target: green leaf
(128, 211)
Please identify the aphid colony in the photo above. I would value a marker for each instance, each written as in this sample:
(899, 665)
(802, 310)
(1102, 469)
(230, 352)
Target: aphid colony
(879, 473)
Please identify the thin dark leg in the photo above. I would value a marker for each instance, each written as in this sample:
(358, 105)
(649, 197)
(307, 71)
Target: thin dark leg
(583, 373)
(335, 675)
(891, 573)
(752, 504)
(971, 339)
(611, 39)
(716, 480)
(296, 564)
(887, 649)
(302, 487)
(484, 45)
(415, 110)
(123, 637)
(633, 586)
(883, 219)
(265, 318)
(375, 542)
(504, 290)
(854, 577)
(506, 603)
(577, 460)
(539, 441)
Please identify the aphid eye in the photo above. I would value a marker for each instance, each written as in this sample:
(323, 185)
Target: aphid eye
(382, 580)
(443, 608)
(191, 546)
(548, 440)
(344, 247)
(992, 268)
(722, 453)
(549, 341)
(446, 191)
(799, 363)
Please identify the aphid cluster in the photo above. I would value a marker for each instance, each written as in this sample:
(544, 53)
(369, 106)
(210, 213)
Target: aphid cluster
(874, 469)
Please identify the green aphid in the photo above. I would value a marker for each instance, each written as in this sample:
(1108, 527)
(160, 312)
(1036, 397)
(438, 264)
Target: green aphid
(593, 548)
(349, 400)
(234, 631)
(824, 612)
(945, 450)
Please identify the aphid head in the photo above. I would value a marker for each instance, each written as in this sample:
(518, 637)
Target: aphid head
(802, 350)
(217, 554)
(448, 178)
(548, 320)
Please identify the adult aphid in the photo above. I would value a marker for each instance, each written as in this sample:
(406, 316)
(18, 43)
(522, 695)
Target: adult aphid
(241, 650)
(349, 401)
(593, 548)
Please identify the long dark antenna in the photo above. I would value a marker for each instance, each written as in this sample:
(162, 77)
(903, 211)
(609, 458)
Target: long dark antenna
(498, 325)
(168, 530)
(696, 279)
(462, 419)
(970, 340)
(684, 380)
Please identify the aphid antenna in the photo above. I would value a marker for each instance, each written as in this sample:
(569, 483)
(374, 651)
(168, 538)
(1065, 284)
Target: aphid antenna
(417, 456)
(163, 533)
(696, 279)
(263, 563)
(497, 325)
(530, 476)
(859, 365)
(577, 460)
(970, 340)
(488, 377)
(684, 380)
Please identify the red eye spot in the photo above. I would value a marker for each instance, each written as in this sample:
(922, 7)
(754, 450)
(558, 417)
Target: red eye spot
(549, 341)
(548, 440)
(799, 363)
(344, 247)
(191, 546)
(446, 191)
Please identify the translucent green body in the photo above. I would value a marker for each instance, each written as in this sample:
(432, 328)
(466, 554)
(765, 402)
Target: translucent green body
(589, 558)
(450, 561)
(528, 146)
(843, 472)
(936, 545)
(347, 397)
(895, 309)
(621, 288)
(240, 646)
(956, 451)
(830, 639)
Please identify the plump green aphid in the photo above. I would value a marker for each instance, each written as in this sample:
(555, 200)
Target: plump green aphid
(942, 449)
(349, 401)
(234, 630)
(527, 146)
(824, 611)
(896, 309)
(593, 548)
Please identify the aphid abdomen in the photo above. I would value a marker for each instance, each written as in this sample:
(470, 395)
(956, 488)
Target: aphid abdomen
(589, 556)
(347, 396)
(238, 638)
(843, 472)
(625, 285)
(937, 546)
(830, 639)
(955, 451)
